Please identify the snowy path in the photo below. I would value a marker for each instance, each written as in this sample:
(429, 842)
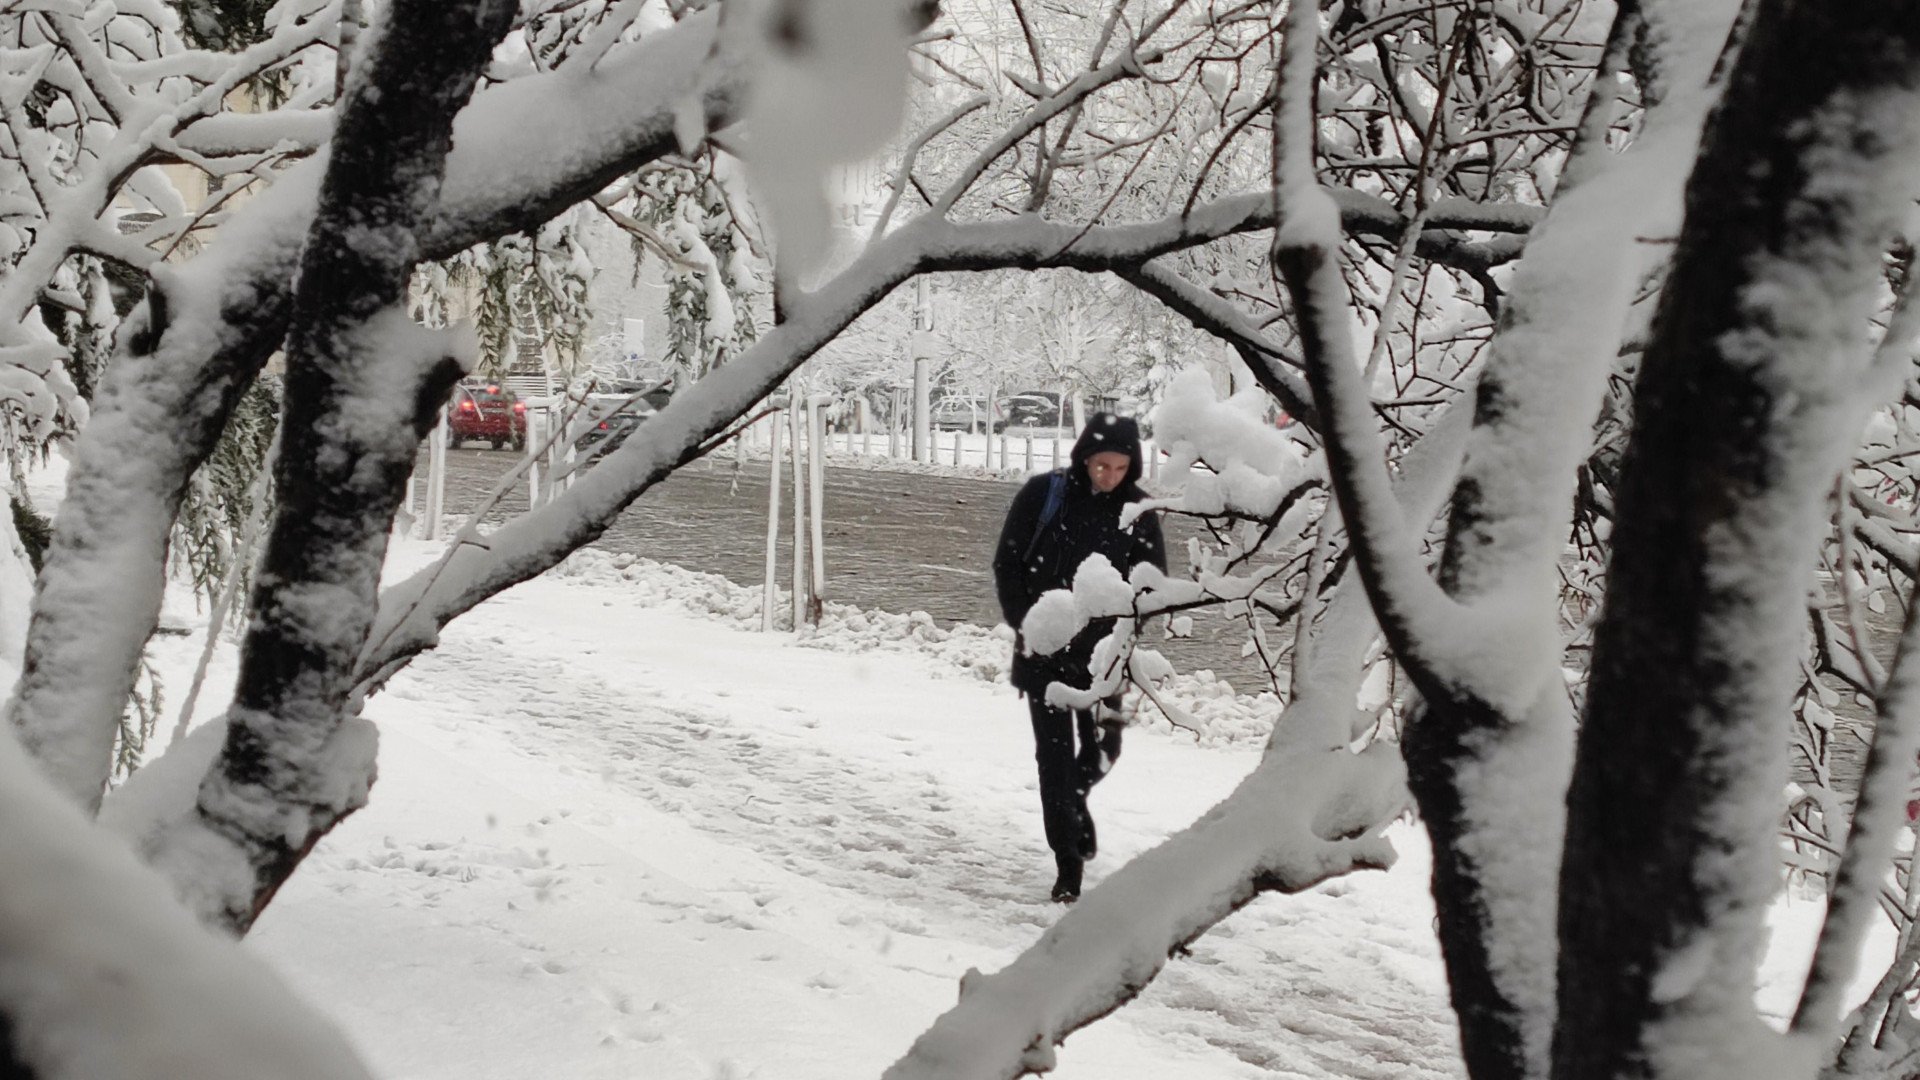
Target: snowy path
(621, 841)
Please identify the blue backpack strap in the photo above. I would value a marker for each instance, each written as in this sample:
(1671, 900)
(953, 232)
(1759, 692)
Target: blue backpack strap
(1056, 497)
(1049, 510)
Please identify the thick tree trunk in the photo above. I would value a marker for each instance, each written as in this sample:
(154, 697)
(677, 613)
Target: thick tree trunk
(1489, 750)
(363, 386)
(1458, 753)
(1746, 397)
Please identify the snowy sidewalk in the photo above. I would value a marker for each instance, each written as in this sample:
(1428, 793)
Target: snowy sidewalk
(613, 840)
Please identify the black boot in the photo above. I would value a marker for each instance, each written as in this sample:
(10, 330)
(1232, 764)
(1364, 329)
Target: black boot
(1066, 887)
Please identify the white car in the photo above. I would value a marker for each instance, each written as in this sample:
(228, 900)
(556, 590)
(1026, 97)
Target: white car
(965, 414)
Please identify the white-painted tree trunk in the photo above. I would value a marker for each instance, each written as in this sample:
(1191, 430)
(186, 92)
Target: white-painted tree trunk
(795, 422)
(770, 597)
(817, 506)
(436, 476)
(537, 431)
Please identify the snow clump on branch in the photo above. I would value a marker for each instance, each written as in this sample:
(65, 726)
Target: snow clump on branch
(832, 89)
(1254, 465)
(1098, 592)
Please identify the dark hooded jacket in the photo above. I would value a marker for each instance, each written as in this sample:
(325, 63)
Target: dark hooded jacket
(1032, 559)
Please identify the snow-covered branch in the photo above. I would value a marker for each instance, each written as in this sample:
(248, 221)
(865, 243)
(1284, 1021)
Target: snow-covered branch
(1559, 335)
(142, 123)
(1273, 366)
(104, 977)
(233, 135)
(1059, 101)
(1876, 827)
(1494, 710)
(413, 611)
(1409, 604)
(208, 326)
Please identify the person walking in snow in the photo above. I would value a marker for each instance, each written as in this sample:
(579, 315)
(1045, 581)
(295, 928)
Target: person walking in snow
(1055, 522)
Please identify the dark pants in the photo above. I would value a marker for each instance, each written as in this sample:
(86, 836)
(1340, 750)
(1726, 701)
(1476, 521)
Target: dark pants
(1066, 775)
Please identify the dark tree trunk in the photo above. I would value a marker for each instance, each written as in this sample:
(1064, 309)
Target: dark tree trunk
(1742, 403)
(1440, 741)
(11, 1067)
(359, 398)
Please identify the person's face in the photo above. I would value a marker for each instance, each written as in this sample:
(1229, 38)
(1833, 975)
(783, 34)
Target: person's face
(1107, 468)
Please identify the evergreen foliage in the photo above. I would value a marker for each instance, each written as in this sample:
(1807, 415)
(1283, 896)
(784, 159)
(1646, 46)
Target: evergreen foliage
(231, 26)
(526, 295)
(137, 724)
(33, 528)
(711, 287)
(223, 25)
(86, 334)
(213, 516)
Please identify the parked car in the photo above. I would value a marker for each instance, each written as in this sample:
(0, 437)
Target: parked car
(1034, 408)
(609, 419)
(655, 394)
(959, 414)
(487, 412)
(966, 414)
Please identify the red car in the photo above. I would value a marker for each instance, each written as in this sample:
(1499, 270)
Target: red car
(489, 412)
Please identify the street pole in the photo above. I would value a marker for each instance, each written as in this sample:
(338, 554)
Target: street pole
(893, 423)
(922, 404)
(922, 346)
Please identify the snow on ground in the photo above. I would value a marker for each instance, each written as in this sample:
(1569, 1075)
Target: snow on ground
(614, 836)
(620, 833)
